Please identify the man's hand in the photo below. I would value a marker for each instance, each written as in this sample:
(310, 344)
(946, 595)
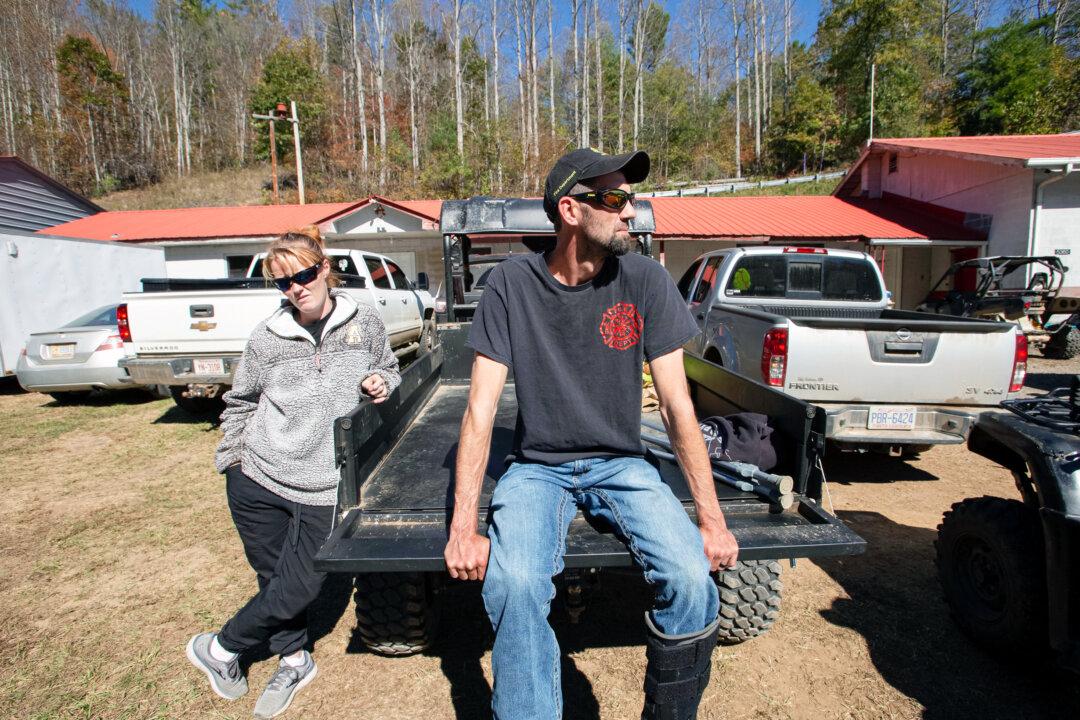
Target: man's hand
(375, 387)
(720, 546)
(466, 555)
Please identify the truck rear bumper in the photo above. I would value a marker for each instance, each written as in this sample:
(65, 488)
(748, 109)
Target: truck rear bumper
(933, 425)
(177, 371)
(414, 541)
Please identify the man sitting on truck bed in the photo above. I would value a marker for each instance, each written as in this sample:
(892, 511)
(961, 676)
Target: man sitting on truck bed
(575, 324)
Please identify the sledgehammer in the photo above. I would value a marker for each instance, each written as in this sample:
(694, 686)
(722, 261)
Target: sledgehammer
(784, 484)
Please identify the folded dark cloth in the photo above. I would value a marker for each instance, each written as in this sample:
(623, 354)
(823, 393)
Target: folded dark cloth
(742, 437)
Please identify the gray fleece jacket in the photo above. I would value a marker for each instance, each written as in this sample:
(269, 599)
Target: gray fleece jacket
(288, 390)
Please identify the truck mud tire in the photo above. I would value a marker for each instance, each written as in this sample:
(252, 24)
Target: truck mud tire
(395, 612)
(209, 408)
(428, 336)
(991, 564)
(1063, 345)
(749, 599)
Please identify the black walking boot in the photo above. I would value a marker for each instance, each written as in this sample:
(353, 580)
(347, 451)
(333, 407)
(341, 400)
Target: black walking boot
(677, 673)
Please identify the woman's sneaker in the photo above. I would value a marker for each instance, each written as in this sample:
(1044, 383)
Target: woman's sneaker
(284, 684)
(225, 677)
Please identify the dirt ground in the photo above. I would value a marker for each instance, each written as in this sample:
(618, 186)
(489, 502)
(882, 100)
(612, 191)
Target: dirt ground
(116, 546)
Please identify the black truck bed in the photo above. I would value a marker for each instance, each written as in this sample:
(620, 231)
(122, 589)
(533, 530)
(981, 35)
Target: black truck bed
(401, 457)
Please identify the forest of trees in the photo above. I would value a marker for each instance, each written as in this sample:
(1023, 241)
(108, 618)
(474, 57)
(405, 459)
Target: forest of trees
(447, 98)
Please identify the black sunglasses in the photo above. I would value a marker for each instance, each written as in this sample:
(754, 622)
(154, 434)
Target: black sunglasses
(301, 278)
(613, 199)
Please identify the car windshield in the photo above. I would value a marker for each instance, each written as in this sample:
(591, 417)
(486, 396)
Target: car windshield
(101, 316)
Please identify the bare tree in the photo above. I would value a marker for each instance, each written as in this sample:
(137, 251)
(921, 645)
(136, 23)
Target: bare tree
(599, 78)
(623, 9)
(738, 72)
(495, 92)
(378, 22)
(458, 81)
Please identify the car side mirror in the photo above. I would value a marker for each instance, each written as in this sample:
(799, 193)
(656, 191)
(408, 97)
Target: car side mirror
(422, 282)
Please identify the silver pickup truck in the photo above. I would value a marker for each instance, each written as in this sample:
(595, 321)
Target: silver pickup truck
(816, 323)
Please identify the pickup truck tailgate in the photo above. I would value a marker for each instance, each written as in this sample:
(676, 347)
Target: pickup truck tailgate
(197, 321)
(950, 362)
(400, 523)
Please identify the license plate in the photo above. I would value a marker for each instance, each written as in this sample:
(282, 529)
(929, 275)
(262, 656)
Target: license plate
(61, 352)
(891, 418)
(215, 366)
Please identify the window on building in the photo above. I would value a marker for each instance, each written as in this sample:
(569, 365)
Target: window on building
(238, 265)
(894, 162)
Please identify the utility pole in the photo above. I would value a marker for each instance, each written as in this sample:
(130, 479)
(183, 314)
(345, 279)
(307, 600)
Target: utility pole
(295, 120)
(873, 73)
(278, 113)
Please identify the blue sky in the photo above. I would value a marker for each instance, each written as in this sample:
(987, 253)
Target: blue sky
(805, 10)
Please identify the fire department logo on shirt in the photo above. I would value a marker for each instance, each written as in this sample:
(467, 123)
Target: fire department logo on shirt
(620, 326)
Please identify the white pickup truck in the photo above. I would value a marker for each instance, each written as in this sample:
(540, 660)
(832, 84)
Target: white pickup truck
(190, 334)
(816, 323)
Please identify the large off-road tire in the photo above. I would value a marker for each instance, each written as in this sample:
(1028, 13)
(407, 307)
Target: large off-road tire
(1064, 345)
(992, 567)
(395, 612)
(428, 336)
(749, 600)
(201, 407)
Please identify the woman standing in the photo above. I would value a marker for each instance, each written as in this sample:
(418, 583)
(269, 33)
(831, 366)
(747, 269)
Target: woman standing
(304, 366)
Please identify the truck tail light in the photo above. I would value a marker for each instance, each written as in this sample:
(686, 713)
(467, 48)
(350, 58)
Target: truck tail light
(122, 322)
(1019, 362)
(113, 342)
(774, 353)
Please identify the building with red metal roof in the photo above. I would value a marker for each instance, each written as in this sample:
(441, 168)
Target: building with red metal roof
(1022, 191)
(211, 242)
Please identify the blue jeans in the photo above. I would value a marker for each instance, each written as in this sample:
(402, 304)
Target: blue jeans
(532, 508)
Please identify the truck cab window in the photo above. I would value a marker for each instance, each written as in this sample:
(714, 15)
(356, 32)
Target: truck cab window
(379, 276)
(688, 279)
(708, 278)
(758, 276)
(400, 281)
(344, 265)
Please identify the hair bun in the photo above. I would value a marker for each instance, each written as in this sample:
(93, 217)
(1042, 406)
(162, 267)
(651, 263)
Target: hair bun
(310, 231)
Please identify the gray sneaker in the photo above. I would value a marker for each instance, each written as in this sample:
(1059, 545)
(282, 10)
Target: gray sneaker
(225, 677)
(279, 692)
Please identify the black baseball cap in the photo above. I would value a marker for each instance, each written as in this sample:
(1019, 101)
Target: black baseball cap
(585, 163)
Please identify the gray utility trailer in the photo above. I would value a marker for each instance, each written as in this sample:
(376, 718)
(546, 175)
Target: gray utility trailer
(397, 465)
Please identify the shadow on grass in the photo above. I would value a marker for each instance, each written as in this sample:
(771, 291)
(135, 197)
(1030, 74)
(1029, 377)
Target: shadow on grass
(10, 386)
(894, 600)
(177, 416)
(103, 398)
(846, 468)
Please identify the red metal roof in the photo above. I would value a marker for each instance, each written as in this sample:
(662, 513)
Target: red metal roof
(799, 216)
(1010, 149)
(198, 223)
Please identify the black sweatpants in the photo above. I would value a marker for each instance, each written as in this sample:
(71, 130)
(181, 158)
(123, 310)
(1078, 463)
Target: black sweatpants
(280, 540)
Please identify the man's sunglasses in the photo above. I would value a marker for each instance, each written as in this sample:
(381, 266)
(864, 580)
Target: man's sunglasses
(613, 199)
(301, 278)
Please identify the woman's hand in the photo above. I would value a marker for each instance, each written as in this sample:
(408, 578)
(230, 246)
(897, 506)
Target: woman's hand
(375, 387)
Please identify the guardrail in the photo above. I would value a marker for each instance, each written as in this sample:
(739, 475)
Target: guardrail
(727, 187)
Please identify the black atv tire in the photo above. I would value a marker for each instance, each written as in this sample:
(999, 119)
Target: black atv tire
(200, 407)
(395, 612)
(992, 567)
(1064, 345)
(428, 336)
(749, 600)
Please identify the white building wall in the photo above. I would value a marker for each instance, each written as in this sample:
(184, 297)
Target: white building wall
(1003, 191)
(365, 220)
(1059, 224)
(207, 259)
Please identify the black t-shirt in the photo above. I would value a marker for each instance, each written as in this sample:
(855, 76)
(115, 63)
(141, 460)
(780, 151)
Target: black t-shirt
(316, 328)
(577, 351)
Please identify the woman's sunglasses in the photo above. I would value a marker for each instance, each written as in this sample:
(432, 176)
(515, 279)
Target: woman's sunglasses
(301, 278)
(613, 199)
